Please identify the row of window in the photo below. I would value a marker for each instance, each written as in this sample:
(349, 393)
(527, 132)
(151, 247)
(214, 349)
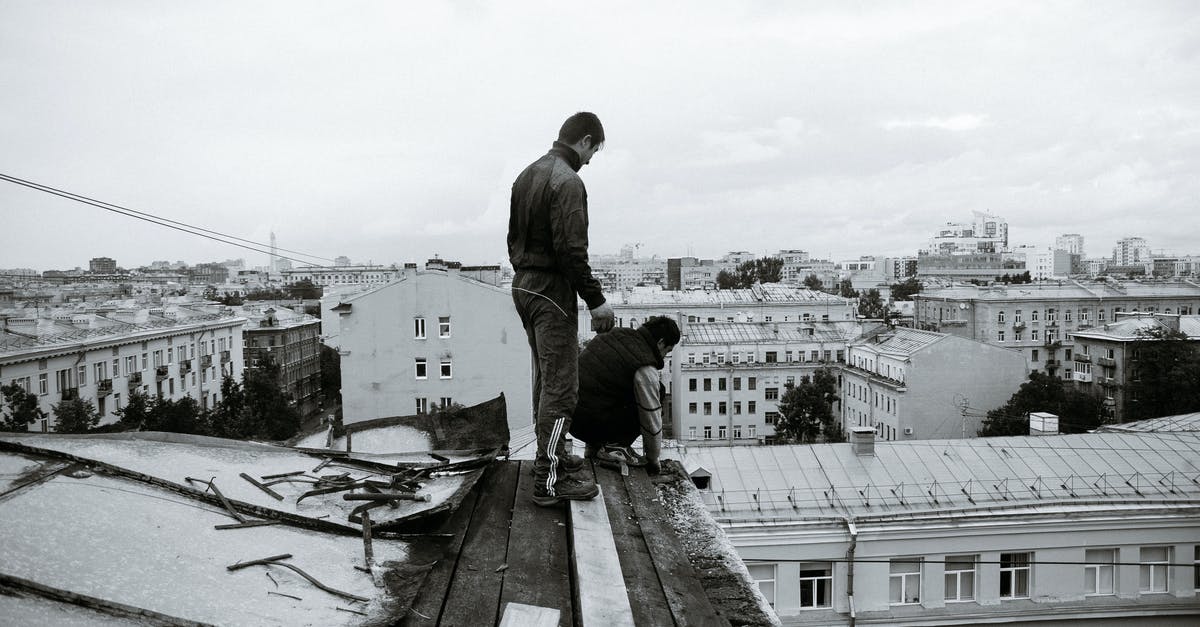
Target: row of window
(961, 576)
(770, 357)
(423, 404)
(723, 408)
(751, 431)
(419, 327)
(801, 318)
(445, 368)
(1051, 314)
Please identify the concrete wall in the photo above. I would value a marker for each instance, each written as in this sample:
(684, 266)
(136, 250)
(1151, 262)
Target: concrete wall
(951, 370)
(487, 348)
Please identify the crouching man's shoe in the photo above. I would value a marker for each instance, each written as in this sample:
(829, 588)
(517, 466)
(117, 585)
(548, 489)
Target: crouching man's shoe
(567, 488)
(612, 456)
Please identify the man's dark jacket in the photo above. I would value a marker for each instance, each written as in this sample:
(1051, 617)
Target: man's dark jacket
(606, 368)
(548, 223)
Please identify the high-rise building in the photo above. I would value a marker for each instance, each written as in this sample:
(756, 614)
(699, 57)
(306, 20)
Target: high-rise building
(1070, 242)
(985, 233)
(1133, 252)
(102, 265)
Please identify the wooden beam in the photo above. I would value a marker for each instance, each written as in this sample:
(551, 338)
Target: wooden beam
(603, 602)
(521, 615)
(539, 563)
(646, 596)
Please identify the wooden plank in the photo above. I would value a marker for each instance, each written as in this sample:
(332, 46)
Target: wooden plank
(602, 602)
(474, 595)
(521, 615)
(539, 566)
(686, 597)
(646, 596)
(427, 606)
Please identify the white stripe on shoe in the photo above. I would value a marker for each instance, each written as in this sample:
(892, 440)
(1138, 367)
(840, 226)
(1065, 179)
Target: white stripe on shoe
(551, 452)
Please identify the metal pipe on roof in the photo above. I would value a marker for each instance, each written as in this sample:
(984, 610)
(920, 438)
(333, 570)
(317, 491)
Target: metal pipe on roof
(853, 531)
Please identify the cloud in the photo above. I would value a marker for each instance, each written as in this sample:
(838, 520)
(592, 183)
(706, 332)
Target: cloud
(955, 123)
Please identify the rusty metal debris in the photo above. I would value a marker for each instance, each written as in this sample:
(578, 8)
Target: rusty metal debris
(277, 560)
(277, 496)
(283, 474)
(280, 594)
(212, 485)
(385, 496)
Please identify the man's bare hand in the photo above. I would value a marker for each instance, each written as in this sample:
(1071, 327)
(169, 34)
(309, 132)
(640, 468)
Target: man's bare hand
(602, 318)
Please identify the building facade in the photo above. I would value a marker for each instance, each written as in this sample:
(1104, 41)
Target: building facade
(343, 275)
(1072, 529)
(909, 384)
(1038, 319)
(291, 341)
(727, 378)
(102, 265)
(985, 233)
(104, 355)
(431, 339)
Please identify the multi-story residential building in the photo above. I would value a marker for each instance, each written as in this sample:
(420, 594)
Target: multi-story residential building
(726, 378)
(1105, 357)
(616, 272)
(1044, 263)
(983, 266)
(767, 302)
(105, 354)
(432, 338)
(985, 233)
(102, 265)
(912, 384)
(291, 341)
(343, 275)
(797, 266)
(1087, 529)
(690, 273)
(1070, 242)
(1176, 265)
(1037, 319)
(1133, 251)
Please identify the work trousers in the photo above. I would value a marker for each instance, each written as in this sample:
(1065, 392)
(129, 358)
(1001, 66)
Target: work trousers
(546, 304)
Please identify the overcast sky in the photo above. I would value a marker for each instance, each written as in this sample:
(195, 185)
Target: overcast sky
(392, 131)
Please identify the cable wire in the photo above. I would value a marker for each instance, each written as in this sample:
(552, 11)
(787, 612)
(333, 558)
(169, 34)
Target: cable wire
(167, 222)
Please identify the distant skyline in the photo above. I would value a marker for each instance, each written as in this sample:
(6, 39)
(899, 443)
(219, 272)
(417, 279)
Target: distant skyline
(392, 131)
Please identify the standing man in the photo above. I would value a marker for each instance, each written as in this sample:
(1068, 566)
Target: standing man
(548, 248)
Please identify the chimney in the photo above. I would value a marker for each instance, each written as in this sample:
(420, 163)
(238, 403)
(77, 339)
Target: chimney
(862, 440)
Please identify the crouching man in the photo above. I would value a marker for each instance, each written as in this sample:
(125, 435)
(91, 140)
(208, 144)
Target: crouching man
(620, 393)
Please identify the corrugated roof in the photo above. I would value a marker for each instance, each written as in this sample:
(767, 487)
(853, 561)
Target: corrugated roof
(766, 332)
(762, 293)
(901, 340)
(936, 476)
(1131, 328)
(1180, 422)
(1067, 291)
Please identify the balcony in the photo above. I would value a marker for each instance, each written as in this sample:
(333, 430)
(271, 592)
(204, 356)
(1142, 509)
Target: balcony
(1087, 359)
(1018, 325)
(1052, 323)
(1107, 382)
(185, 366)
(70, 394)
(160, 373)
(104, 387)
(135, 379)
(1106, 361)
(206, 361)
(1052, 363)
(224, 357)
(1083, 377)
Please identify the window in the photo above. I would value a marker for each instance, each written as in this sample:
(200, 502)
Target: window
(960, 577)
(772, 357)
(691, 385)
(444, 326)
(1099, 572)
(764, 576)
(720, 358)
(1153, 577)
(1034, 353)
(721, 384)
(750, 407)
(422, 369)
(1000, 317)
(708, 409)
(737, 408)
(752, 432)
(999, 336)
(770, 417)
(816, 584)
(1014, 575)
(707, 432)
(130, 364)
(81, 376)
(42, 385)
(691, 358)
(1066, 315)
(737, 431)
(905, 582)
(737, 383)
(1100, 315)
(1033, 334)
(691, 408)
(447, 370)
(1017, 316)
(751, 383)
(692, 431)
(446, 402)
(422, 405)
(722, 408)
(101, 370)
(707, 384)
(771, 394)
(418, 328)
(720, 432)
(1033, 315)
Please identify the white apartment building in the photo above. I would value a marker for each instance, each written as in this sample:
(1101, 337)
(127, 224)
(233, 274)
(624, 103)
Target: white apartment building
(1087, 529)
(1133, 251)
(1044, 262)
(103, 355)
(1037, 319)
(1070, 242)
(726, 378)
(985, 233)
(909, 384)
(430, 339)
(343, 275)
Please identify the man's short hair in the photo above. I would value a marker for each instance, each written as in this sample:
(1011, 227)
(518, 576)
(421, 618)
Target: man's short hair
(579, 126)
(663, 328)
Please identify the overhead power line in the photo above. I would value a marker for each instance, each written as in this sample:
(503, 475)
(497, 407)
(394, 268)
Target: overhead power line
(217, 236)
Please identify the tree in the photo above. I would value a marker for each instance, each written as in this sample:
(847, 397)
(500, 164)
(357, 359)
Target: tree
(304, 289)
(331, 374)
(1166, 375)
(845, 289)
(134, 413)
(905, 289)
(75, 415)
(870, 304)
(177, 416)
(229, 419)
(806, 410)
(1077, 411)
(764, 270)
(270, 414)
(20, 408)
(813, 283)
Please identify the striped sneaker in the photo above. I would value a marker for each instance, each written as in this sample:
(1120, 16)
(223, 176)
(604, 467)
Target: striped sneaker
(567, 488)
